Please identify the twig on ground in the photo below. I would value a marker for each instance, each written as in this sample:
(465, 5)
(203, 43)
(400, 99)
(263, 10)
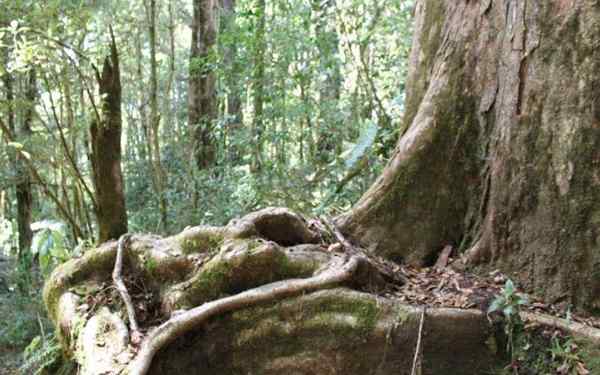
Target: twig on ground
(418, 348)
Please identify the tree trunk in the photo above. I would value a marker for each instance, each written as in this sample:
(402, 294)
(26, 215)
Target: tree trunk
(328, 142)
(106, 153)
(232, 79)
(159, 175)
(24, 185)
(259, 85)
(501, 152)
(202, 94)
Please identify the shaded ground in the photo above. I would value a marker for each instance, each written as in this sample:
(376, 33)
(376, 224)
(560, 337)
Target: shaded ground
(10, 355)
(22, 315)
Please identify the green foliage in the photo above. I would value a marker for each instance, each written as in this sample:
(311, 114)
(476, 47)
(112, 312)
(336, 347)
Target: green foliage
(22, 314)
(49, 245)
(363, 144)
(532, 351)
(43, 356)
(565, 353)
(323, 138)
(509, 303)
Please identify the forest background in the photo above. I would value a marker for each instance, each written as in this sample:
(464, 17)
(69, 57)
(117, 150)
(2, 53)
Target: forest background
(303, 107)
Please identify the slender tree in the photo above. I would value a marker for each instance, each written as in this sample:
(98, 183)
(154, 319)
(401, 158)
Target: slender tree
(159, 175)
(329, 92)
(232, 66)
(202, 95)
(259, 85)
(106, 152)
(23, 186)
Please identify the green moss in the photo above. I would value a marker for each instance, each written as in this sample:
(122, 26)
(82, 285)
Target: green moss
(212, 281)
(150, 264)
(242, 265)
(284, 330)
(286, 268)
(98, 261)
(209, 243)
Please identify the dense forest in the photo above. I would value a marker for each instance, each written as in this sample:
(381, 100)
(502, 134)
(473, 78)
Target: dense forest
(299, 186)
(296, 94)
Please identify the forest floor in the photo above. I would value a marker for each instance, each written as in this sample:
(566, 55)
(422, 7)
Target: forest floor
(447, 287)
(10, 358)
(21, 315)
(10, 355)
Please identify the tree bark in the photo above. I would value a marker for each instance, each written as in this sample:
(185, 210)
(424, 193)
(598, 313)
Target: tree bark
(106, 152)
(258, 79)
(160, 177)
(232, 79)
(23, 187)
(328, 141)
(202, 94)
(501, 152)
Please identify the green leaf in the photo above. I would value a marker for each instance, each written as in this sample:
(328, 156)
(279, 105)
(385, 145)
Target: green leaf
(495, 306)
(509, 287)
(365, 141)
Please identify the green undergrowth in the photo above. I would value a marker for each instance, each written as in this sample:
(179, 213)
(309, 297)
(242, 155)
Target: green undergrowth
(542, 351)
(539, 350)
(43, 356)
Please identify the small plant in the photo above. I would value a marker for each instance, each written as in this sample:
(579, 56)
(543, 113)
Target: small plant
(565, 353)
(43, 356)
(509, 303)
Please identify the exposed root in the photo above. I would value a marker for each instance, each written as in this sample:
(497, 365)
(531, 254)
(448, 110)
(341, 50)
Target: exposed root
(379, 264)
(188, 320)
(279, 225)
(120, 285)
(577, 330)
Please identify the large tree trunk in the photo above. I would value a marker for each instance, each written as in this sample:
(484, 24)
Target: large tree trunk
(202, 95)
(498, 159)
(106, 153)
(502, 149)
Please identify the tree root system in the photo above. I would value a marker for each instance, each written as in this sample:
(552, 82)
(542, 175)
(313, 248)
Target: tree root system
(269, 293)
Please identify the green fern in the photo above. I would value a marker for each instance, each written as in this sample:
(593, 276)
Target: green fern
(42, 356)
